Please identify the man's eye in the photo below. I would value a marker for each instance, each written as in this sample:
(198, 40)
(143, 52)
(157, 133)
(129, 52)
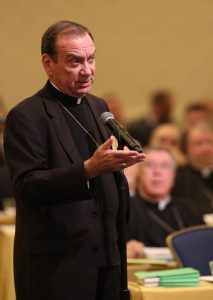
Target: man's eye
(73, 62)
(91, 59)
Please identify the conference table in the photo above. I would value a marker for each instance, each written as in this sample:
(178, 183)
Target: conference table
(203, 292)
(7, 291)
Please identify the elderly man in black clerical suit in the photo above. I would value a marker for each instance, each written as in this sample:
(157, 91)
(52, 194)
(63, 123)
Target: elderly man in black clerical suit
(195, 180)
(63, 171)
(154, 213)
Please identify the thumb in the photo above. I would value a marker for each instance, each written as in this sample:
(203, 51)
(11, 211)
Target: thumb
(106, 145)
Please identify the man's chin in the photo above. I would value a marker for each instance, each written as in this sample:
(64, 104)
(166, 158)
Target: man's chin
(81, 92)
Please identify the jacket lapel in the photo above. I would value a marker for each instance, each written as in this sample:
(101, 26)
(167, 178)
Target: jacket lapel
(96, 113)
(61, 127)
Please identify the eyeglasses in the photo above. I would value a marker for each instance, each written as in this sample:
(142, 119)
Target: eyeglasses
(154, 165)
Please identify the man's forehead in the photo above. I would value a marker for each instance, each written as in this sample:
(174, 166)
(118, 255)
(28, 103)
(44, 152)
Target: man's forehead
(158, 157)
(197, 133)
(73, 41)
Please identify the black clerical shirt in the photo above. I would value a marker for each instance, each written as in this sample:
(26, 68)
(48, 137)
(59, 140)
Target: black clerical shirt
(151, 226)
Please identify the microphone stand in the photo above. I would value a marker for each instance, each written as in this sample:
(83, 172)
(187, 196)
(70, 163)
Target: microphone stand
(123, 193)
(123, 138)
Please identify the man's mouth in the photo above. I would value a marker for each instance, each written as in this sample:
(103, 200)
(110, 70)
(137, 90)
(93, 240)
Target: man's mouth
(84, 83)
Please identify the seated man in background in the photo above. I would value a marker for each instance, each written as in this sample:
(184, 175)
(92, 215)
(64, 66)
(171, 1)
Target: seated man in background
(168, 135)
(154, 213)
(195, 113)
(195, 181)
(161, 106)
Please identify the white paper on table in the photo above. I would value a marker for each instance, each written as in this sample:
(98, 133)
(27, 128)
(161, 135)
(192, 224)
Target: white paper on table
(207, 278)
(158, 253)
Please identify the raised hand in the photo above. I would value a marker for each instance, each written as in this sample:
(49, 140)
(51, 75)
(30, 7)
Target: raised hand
(106, 160)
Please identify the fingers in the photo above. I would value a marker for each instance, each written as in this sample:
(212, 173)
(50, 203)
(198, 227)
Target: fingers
(129, 159)
(135, 249)
(119, 159)
(105, 160)
(107, 145)
(126, 148)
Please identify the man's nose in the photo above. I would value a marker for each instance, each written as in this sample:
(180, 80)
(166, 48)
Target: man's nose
(86, 69)
(157, 169)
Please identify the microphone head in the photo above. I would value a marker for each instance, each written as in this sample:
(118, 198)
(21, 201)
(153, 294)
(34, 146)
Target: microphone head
(105, 116)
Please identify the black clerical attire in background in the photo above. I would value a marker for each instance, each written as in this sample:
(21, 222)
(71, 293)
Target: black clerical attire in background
(151, 225)
(196, 187)
(65, 226)
(141, 129)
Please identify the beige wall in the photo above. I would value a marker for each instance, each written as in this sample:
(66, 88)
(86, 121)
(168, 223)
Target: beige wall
(142, 45)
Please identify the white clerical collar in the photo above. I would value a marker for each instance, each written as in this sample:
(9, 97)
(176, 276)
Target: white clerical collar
(79, 99)
(206, 172)
(163, 203)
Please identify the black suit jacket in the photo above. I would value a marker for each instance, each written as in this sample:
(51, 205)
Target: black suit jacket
(56, 252)
(143, 227)
(197, 190)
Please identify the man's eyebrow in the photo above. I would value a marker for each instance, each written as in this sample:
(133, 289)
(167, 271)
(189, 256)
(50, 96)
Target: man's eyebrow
(73, 55)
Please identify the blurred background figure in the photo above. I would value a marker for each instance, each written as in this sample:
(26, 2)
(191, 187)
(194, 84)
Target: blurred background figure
(208, 102)
(195, 181)
(6, 192)
(161, 106)
(195, 113)
(3, 113)
(131, 174)
(169, 135)
(154, 212)
(115, 106)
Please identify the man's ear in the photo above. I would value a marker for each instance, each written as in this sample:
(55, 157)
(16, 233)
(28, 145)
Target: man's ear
(47, 63)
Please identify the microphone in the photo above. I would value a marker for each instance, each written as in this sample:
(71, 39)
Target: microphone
(119, 132)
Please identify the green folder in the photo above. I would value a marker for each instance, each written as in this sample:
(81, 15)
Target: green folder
(172, 277)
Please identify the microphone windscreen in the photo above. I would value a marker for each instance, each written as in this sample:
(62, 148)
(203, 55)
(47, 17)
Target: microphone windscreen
(105, 116)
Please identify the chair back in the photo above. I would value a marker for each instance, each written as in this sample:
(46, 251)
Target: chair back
(193, 247)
